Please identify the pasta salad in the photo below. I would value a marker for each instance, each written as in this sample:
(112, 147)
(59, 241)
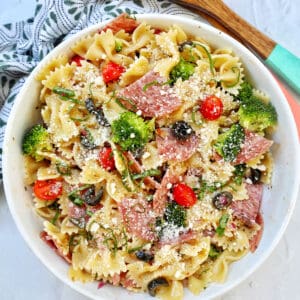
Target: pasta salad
(149, 164)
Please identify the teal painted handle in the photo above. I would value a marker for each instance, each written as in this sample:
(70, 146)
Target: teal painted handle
(287, 65)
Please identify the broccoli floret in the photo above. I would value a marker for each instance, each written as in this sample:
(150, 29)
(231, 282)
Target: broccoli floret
(183, 69)
(257, 115)
(228, 144)
(131, 132)
(175, 214)
(36, 139)
(245, 92)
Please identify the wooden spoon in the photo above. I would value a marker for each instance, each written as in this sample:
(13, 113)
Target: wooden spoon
(283, 62)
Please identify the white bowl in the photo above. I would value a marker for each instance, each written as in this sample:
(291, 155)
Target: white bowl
(278, 202)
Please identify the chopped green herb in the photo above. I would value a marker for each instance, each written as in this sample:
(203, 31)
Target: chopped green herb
(155, 82)
(75, 197)
(132, 250)
(63, 169)
(90, 90)
(237, 79)
(207, 188)
(79, 119)
(118, 46)
(64, 98)
(194, 44)
(211, 63)
(55, 218)
(222, 224)
(73, 242)
(214, 252)
(63, 92)
(194, 111)
(89, 213)
(151, 172)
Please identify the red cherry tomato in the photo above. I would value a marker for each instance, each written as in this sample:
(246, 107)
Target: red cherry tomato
(106, 159)
(211, 108)
(157, 31)
(112, 71)
(184, 195)
(49, 189)
(77, 59)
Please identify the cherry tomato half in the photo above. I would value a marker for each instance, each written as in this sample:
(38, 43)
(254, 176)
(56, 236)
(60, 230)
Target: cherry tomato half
(77, 60)
(49, 189)
(112, 71)
(211, 108)
(106, 159)
(184, 195)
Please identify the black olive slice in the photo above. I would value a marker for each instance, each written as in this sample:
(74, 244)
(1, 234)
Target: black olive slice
(144, 255)
(182, 45)
(79, 222)
(155, 283)
(181, 130)
(97, 112)
(255, 176)
(222, 200)
(89, 196)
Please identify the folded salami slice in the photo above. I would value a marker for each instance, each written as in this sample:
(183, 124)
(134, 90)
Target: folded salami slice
(253, 146)
(171, 148)
(123, 21)
(247, 210)
(138, 217)
(151, 95)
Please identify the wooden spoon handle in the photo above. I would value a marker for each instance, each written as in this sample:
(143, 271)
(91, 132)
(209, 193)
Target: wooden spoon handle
(245, 32)
(283, 62)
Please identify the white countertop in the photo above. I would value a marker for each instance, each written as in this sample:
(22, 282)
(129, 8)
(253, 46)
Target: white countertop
(23, 276)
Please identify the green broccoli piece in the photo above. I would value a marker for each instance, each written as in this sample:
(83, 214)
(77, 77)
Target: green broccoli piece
(228, 144)
(183, 69)
(257, 115)
(246, 92)
(131, 132)
(175, 214)
(36, 139)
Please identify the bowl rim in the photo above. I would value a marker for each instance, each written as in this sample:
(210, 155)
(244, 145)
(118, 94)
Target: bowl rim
(227, 286)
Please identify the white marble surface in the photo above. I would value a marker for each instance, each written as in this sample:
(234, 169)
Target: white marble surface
(22, 275)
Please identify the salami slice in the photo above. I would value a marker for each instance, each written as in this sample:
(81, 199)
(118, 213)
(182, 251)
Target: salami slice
(75, 211)
(51, 243)
(171, 148)
(123, 21)
(253, 146)
(247, 210)
(161, 195)
(151, 96)
(254, 242)
(138, 217)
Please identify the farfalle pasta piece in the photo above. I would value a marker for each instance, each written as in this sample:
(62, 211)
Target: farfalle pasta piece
(135, 71)
(50, 66)
(82, 46)
(61, 76)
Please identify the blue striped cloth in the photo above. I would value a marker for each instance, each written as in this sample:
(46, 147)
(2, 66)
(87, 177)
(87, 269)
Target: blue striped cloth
(24, 44)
